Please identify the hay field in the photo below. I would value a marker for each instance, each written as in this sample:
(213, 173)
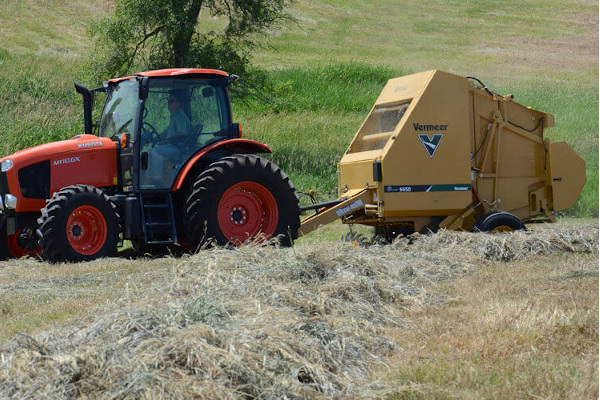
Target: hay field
(447, 315)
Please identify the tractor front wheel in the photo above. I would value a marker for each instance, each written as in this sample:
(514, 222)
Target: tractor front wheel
(241, 198)
(79, 223)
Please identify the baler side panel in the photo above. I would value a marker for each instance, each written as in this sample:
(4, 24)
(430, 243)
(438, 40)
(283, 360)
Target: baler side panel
(509, 154)
(426, 169)
(381, 127)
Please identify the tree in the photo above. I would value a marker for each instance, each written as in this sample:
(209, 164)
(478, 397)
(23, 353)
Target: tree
(153, 34)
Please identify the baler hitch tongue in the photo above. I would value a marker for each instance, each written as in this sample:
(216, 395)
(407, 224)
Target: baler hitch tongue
(330, 211)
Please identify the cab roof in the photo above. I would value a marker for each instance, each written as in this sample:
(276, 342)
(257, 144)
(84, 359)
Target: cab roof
(175, 72)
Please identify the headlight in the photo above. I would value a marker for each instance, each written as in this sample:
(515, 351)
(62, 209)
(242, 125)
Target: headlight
(7, 164)
(10, 201)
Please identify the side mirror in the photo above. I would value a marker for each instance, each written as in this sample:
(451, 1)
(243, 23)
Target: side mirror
(144, 87)
(236, 130)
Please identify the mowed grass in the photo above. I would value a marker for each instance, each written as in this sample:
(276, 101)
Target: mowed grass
(447, 315)
(511, 331)
(36, 296)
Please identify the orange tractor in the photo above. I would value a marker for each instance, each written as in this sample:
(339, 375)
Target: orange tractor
(164, 165)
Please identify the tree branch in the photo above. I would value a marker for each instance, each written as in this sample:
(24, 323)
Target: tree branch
(141, 43)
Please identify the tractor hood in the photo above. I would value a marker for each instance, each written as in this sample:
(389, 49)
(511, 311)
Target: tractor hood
(33, 175)
(56, 152)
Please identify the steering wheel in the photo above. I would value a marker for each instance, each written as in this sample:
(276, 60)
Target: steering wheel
(151, 130)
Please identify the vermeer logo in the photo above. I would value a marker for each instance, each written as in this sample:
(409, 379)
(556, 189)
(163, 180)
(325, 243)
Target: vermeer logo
(431, 143)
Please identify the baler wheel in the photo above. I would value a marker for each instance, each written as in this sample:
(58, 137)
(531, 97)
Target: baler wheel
(79, 223)
(240, 198)
(387, 233)
(498, 222)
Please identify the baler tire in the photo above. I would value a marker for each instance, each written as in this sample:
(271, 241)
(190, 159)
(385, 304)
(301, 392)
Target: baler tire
(78, 216)
(387, 234)
(242, 192)
(497, 222)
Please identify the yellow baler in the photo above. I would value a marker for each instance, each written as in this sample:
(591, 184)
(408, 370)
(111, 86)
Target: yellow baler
(441, 150)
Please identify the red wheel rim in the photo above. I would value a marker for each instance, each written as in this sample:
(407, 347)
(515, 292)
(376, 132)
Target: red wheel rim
(246, 210)
(17, 250)
(86, 230)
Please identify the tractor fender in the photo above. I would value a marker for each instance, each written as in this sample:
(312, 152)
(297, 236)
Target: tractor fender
(231, 146)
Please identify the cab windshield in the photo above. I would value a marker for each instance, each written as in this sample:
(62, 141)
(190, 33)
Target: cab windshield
(120, 110)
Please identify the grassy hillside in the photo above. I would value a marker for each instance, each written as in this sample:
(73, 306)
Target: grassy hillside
(328, 67)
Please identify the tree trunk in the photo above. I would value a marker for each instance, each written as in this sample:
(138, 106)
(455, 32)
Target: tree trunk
(187, 15)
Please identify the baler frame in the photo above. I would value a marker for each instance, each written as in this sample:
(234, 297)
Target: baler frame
(484, 153)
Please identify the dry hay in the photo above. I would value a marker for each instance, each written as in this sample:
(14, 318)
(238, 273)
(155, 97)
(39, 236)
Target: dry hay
(262, 322)
(541, 240)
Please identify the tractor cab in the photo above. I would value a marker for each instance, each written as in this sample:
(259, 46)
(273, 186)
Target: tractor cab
(164, 168)
(161, 119)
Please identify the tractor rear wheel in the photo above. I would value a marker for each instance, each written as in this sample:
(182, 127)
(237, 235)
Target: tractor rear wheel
(498, 222)
(79, 223)
(240, 198)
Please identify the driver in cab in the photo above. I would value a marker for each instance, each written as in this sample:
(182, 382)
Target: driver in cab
(179, 123)
(164, 155)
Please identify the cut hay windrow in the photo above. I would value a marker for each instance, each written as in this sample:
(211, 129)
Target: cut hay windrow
(262, 322)
(542, 240)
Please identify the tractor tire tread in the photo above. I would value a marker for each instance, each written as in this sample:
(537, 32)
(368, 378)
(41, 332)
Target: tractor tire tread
(202, 196)
(53, 214)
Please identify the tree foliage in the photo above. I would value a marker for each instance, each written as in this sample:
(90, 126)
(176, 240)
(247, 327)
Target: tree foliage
(153, 34)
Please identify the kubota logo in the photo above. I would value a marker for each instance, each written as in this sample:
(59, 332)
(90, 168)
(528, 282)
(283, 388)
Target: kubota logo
(90, 144)
(68, 160)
